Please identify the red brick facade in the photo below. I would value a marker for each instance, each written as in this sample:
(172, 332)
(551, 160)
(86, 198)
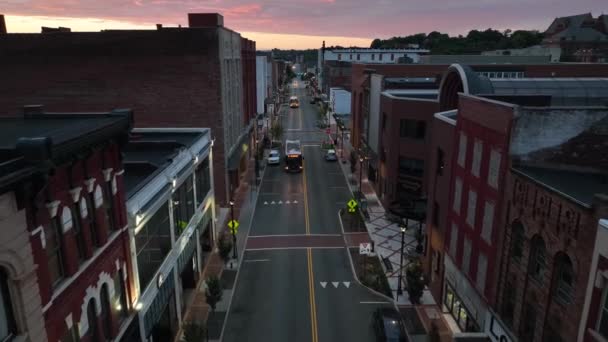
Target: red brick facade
(438, 172)
(249, 79)
(100, 264)
(392, 111)
(491, 133)
(536, 307)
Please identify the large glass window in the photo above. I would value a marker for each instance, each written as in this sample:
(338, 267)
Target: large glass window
(92, 320)
(108, 206)
(603, 323)
(517, 241)
(538, 262)
(153, 243)
(508, 302)
(106, 312)
(52, 236)
(92, 219)
(565, 279)
(120, 295)
(414, 129)
(529, 322)
(7, 320)
(203, 181)
(77, 226)
(183, 206)
(459, 312)
(411, 167)
(462, 149)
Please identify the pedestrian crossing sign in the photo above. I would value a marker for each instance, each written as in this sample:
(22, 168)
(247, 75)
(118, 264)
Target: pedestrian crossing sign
(234, 226)
(352, 206)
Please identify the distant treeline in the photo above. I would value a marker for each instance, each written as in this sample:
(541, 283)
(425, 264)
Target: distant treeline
(310, 55)
(474, 42)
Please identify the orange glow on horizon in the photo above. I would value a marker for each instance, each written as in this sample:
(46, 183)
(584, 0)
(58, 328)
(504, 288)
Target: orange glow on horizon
(264, 40)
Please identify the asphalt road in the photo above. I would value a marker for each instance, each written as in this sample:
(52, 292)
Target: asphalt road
(300, 293)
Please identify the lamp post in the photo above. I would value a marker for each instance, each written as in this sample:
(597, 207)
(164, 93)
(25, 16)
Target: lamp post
(234, 252)
(360, 175)
(342, 150)
(399, 290)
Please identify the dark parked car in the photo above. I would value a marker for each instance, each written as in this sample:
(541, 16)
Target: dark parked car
(388, 326)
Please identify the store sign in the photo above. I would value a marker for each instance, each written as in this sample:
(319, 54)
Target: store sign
(496, 331)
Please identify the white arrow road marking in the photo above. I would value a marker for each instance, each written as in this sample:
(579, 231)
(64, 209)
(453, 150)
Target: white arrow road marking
(323, 284)
(280, 202)
(287, 202)
(346, 283)
(295, 202)
(335, 283)
(265, 202)
(272, 202)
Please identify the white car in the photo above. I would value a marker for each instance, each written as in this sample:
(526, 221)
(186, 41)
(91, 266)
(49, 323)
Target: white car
(274, 158)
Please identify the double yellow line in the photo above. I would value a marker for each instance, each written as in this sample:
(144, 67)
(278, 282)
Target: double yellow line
(311, 275)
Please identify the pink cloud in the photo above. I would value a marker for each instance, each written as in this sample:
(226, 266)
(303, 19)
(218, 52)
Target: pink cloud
(351, 18)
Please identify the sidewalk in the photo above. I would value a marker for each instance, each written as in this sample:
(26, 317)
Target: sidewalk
(385, 234)
(199, 311)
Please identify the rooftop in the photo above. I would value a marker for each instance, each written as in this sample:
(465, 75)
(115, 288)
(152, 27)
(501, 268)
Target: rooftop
(484, 59)
(28, 141)
(579, 186)
(149, 152)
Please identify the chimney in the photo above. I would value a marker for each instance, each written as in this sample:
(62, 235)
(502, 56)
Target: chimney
(2, 24)
(205, 20)
(159, 26)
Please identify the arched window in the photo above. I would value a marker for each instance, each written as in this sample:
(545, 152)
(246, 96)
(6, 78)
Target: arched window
(8, 326)
(538, 257)
(564, 282)
(92, 320)
(106, 312)
(517, 240)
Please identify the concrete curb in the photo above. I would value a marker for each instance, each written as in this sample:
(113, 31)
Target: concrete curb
(241, 255)
(352, 267)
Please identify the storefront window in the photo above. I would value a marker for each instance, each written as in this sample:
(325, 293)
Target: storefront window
(183, 206)
(203, 181)
(7, 321)
(153, 243)
(459, 312)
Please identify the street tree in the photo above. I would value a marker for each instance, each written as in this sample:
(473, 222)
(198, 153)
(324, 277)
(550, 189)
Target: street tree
(224, 246)
(415, 281)
(213, 293)
(277, 131)
(194, 332)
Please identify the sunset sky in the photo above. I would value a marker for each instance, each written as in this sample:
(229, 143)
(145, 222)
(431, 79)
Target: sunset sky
(299, 24)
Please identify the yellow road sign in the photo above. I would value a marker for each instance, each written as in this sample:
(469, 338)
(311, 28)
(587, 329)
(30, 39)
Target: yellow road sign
(234, 226)
(352, 206)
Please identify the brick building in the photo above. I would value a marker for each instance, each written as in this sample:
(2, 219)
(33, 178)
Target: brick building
(595, 309)
(74, 207)
(490, 133)
(406, 116)
(171, 77)
(582, 38)
(20, 303)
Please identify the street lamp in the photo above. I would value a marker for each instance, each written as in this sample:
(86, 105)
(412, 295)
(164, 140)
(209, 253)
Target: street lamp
(360, 175)
(234, 252)
(399, 290)
(342, 150)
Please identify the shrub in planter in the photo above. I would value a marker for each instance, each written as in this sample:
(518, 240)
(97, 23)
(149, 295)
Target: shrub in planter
(193, 332)
(224, 246)
(214, 290)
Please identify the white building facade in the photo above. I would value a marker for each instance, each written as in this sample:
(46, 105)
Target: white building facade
(171, 214)
(261, 82)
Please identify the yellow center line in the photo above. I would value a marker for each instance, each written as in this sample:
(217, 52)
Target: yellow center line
(311, 276)
(313, 306)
